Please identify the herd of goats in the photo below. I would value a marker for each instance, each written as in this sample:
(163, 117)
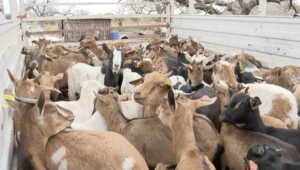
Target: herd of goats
(165, 104)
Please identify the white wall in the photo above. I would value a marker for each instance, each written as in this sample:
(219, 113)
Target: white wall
(273, 41)
(10, 58)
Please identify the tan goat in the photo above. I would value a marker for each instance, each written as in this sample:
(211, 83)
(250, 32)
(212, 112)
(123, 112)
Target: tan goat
(155, 145)
(42, 44)
(90, 42)
(44, 145)
(177, 115)
(120, 44)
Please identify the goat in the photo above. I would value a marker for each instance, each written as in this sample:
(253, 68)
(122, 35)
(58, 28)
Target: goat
(293, 72)
(277, 102)
(107, 75)
(90, 42)
(244, 109)
(195, 73)
(46, 145)
(154, 149)
(179, 118)
(268, 158)
(42, 44)
(243, 77)
(42, 62)
(84, 107)
(95, 123)
(179, 83)
(238, 141)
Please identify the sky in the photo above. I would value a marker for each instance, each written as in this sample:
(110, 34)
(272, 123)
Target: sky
(94, 8)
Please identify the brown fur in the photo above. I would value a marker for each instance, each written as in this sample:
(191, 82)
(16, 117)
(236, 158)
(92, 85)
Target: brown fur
(224, 72)
(156, 145)
(106, 149)
(44, 42)
(146, 66)
(90, 42)
(297, 96)
(271, 121)
(156, 42)
(278, 77)
(173, 40)
(158, 86)
(180, 120)
(196, 45)
(293, 72)
(281, 105)
(237, 143)
(118, 44)
(58, 50)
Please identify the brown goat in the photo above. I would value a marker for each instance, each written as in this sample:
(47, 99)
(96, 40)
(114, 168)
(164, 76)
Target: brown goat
(243, 57)
(173, 40)
(58, 50)
(40, 43)
(177, 115)
(237, 143)
(293, 72)
(120, 44)
(271, 121)
(40, 61)
(44, 145)
(224, 72)
(90, 42)
(156, 145)
(278, 77)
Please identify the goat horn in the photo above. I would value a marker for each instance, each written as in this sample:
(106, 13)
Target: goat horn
(219, 88)
(209, 67)
(35, 80)
(26, 100)
(168, 74)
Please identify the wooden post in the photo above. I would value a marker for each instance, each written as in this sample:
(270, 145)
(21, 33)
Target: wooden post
(13, 8)
(2, 16)
(191, 6)
(262, 7)
(168, 20)
(172, 7)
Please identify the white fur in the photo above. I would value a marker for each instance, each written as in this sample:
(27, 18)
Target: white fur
(95, 61)
(148, 59)
(128, 76)
(63, 165)
(128, 164)
(132, 109)
(175, 79)
(77, 74)
(58, 155)
(267, 93)
(83, 108)
(96, 123)
(117, 59)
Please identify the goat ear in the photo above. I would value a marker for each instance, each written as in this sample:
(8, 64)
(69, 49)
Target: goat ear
(100, 97)
(105, 48)
(133, 82)
(255, 102)
(41, 102)
(34, 41)
(47, 57)
(25, 77)
(14, 104)
(171, 100)
(13, 78)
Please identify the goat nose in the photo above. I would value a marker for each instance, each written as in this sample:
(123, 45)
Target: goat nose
(117, 65)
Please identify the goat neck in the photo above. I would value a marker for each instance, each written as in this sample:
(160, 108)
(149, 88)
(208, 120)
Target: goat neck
(113, 114)
(98, 51)
(183, 134)
(34, 140)
(87, 97)
(256, 124)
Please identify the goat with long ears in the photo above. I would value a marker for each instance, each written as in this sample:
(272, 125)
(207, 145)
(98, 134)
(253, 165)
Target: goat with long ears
(175, 112)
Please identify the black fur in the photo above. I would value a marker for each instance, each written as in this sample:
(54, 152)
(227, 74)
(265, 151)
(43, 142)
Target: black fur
(245, 77)
(267, 158)
(245, 115)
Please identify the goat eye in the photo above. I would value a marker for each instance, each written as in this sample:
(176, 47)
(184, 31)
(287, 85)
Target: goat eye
(54, 110)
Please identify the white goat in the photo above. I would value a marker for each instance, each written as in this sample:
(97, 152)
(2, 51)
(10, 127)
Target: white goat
(83, 108)
(129, 76)
(276, 102)
(132, 109)
(78, 73)
(96, 123)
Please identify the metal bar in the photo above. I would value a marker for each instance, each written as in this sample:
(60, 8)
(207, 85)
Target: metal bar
(94, 29)
(95, 3)
(94, 17)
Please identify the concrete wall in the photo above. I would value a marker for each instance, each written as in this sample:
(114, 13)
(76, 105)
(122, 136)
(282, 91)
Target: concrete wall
(273, 41)
(10, 58)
